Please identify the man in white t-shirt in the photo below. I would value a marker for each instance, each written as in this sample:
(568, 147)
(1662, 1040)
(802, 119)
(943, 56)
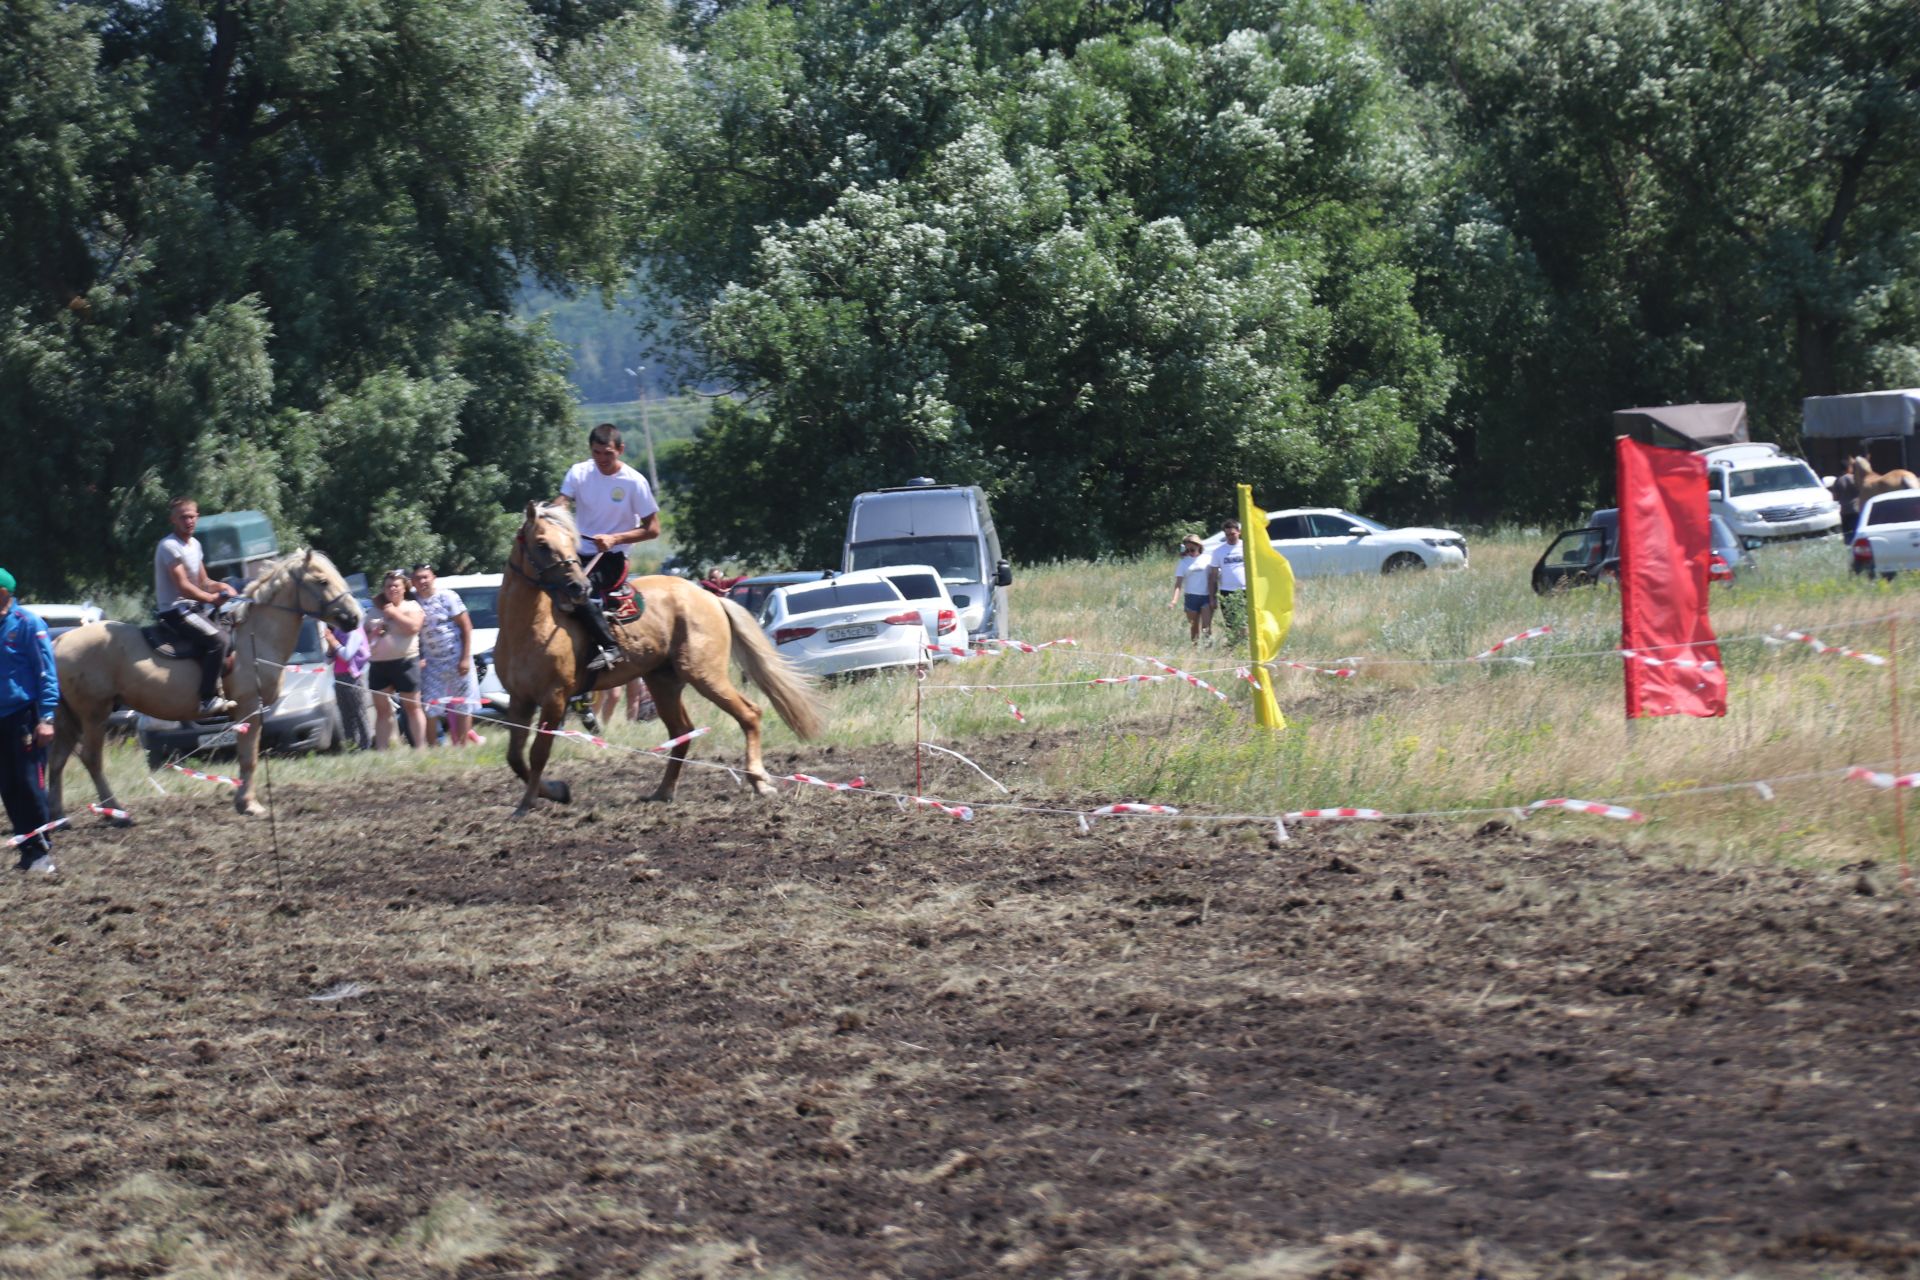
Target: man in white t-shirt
(1227, 582)
(613, 507)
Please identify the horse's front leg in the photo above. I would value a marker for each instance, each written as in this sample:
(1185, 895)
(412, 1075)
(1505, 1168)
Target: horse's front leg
(247, 747)
(553, 715)
(66, 733)
(93, 754)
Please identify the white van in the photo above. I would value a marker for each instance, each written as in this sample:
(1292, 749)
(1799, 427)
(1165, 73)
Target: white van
(946, 526)
(1763, 493)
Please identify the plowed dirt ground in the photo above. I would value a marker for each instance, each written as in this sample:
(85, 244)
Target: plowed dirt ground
(818, 1036)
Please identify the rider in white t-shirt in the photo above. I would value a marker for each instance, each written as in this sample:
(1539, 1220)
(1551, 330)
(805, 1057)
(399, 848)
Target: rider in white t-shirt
(613, 507)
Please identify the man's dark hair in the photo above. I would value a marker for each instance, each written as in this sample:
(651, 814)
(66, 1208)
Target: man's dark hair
(1231, 524)
(604, 435)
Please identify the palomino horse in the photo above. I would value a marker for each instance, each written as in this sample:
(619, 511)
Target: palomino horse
(1874, 483)
(684, 637)
(99, 663)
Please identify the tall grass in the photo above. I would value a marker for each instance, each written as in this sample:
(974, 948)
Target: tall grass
(1421, 729)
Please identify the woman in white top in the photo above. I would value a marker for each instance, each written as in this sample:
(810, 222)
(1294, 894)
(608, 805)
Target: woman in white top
(1190, 588)
(393, 627)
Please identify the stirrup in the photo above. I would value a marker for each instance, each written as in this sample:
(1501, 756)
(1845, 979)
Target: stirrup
(605, 660)
(581, 704)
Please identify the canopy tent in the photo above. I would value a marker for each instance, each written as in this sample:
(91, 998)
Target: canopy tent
(1684, 426)
(1862, 416)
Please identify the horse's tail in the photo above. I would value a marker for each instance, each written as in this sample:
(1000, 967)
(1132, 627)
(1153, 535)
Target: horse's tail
(790, 689)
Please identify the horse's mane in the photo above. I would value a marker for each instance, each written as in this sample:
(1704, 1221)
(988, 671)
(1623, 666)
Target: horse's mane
(560, 514)
(276, 573)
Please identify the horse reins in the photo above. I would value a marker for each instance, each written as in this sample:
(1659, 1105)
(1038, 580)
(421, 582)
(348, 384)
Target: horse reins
(540, 579)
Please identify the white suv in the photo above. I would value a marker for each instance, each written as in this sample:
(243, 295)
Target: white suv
(1763, 493)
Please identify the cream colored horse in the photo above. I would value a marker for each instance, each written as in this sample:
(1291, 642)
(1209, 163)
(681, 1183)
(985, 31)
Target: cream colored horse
(113, 660)
(684, 637)
(1874, 483)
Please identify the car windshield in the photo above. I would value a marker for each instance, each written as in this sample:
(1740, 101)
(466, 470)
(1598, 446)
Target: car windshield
(956, 559)
(838, 595)
(1775, 479)
(1904, 509)
(307, 647)
(483, 605)
(916, 586)
(1348, 518)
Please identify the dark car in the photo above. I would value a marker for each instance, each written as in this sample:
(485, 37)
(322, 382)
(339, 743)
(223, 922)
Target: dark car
(1583, 557)
(751, 593)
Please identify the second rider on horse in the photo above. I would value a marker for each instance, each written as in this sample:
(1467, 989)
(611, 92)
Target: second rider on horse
(184, 595)
(613, 507)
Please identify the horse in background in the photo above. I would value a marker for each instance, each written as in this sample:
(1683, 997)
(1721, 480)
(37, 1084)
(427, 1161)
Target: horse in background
(101, 662)
(683, 636)
(1874, 483)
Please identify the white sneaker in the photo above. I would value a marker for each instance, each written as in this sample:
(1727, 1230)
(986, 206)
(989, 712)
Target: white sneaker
(42, 865)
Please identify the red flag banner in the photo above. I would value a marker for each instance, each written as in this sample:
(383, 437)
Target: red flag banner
(1672, 665)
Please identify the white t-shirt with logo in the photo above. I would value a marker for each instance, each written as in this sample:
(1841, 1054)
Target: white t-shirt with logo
(606, 504)
(1192, 571)
(1230, 558)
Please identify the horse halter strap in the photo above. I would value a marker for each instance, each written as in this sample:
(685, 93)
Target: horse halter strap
(540, 577)
(299, 607)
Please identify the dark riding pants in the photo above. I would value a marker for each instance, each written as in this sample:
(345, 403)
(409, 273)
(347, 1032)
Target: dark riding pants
(608, 573)
(23, 780)
(208, 642)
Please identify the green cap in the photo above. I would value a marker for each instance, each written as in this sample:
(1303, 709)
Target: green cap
(6, 580)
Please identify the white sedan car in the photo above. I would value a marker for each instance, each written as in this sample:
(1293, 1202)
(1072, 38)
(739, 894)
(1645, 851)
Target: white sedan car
(838, 627)
(1886, 541)
(1320, 542)
(923, 588)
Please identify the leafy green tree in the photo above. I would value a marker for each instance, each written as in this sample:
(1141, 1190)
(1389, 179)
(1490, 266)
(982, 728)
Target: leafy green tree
(1105, 281)
(268, 253)
(1656, 201)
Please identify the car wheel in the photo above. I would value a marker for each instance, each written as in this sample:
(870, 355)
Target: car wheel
(1402, 562)
(334, 740)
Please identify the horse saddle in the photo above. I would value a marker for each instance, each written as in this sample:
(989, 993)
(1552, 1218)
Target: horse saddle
(623, 603)
(167, 643)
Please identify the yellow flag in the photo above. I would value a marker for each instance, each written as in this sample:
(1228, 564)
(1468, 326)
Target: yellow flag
(1269, 605)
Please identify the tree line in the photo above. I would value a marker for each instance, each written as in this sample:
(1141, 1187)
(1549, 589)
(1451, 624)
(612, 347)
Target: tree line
(1103, 259)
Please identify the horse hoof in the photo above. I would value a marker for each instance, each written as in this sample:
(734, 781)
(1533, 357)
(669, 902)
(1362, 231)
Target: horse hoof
(762, 788)
(662, 796)
(119, 822)
(519, 812)
(558, 792)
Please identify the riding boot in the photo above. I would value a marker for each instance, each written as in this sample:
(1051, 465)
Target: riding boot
(601, 633)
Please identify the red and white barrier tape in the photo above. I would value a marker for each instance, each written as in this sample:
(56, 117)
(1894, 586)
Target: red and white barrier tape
(1132, 679)
(960, 811)
(1113, 810)
(1634, 655)
(1819, 646)
(1362, 815)
(1064, 642)
(204, 777)
(1885, 781)
(1587, 806)
(1530, 634)
(1344, 673)
(1190, 678)
(953, 649)
(17, 841)
(109, 810)
(688, 736)
(809, 779)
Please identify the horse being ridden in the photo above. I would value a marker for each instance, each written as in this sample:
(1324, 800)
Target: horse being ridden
(684, 636)
(113, 660)
(1874, 483)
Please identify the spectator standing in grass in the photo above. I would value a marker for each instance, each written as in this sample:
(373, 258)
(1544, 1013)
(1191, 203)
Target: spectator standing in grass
(448, 684)
(639, 702)
(351, 656)
(1190, 588)
(394, 669)
(29, 695)
(1227, 583)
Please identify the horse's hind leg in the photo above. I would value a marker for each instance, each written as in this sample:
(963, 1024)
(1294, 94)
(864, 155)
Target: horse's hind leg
(720, 691)
(66, 735)
(666, 688)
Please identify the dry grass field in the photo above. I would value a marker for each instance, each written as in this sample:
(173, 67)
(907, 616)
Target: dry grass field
(395, 1033)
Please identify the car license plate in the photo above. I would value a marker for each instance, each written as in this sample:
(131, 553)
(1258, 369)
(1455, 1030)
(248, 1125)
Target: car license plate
(224, 738)
(861, 632)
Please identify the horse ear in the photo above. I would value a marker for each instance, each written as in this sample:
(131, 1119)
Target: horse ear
(533, 509)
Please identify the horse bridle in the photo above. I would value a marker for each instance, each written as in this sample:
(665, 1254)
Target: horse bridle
(540, 578)
(299, 585)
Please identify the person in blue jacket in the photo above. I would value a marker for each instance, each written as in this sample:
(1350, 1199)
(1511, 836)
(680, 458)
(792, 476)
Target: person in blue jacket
(29, 695)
